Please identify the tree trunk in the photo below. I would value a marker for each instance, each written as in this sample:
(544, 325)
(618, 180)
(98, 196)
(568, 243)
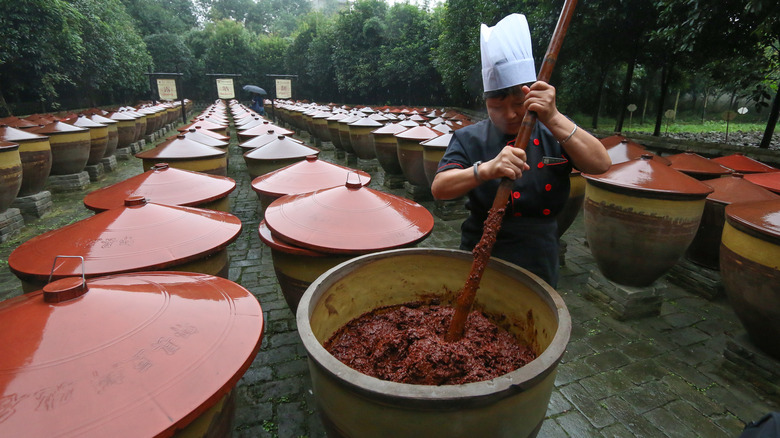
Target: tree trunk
(5, 110)
(599, 95)
(626, 92)
(770, 124)
(676, 103)
(704, 107)
(659, 113)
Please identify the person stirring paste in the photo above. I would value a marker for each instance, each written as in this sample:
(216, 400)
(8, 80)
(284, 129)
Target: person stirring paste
(480, 155)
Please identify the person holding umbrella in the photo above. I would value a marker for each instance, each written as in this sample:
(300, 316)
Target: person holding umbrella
(479, 156)
(257, 101)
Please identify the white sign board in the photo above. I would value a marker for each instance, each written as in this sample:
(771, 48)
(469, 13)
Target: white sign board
(167, 89)
(225, 89)
(283, 88)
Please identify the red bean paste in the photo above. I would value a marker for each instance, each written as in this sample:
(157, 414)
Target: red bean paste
(405, 344)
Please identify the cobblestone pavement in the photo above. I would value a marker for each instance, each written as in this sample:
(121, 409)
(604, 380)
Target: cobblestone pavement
(659, 376)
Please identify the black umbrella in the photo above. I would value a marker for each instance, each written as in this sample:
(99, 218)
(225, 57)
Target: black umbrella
(254, 89)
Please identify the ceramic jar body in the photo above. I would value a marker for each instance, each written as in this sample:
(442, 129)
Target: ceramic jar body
(636, 239)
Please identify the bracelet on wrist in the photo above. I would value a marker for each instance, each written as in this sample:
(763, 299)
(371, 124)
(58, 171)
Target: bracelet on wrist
(476, 171)
(570, 135)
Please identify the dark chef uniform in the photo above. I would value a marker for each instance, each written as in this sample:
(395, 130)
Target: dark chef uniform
(529, 233)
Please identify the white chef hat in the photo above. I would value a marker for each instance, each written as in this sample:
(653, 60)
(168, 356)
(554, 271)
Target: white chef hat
(507, 59)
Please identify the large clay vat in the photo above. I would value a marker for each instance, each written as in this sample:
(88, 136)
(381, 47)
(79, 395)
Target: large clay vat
(750, 266)
(125, 126)
(433, 151)
(333, 129)
(353, 404)
(730, 189)
(113, 133)
(98, 136)
(386, 147)
(361, 139)
(70, 147)
(410, 153)
(35, 153)
(10, 174)
(640, 217)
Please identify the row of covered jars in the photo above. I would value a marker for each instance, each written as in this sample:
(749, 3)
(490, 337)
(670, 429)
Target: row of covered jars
(648, 211)
(133, 297)
(318, 214)
(64, 144)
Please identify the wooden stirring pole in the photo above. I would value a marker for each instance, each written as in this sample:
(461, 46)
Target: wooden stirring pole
(495, 215)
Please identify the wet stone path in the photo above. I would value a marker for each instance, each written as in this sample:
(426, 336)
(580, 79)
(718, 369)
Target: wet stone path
(659, 376)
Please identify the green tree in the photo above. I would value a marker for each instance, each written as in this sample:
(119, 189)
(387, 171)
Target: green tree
(39, 36)
(406, 68)
(114, 60)
(157, 16)
(358, 39)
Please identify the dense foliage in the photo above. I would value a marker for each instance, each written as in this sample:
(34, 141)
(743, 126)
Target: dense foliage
(696, 58)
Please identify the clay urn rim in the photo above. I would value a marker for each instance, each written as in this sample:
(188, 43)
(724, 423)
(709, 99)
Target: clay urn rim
(214, 327)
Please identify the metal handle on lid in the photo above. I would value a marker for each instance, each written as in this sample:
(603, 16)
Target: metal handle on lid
(54, 266)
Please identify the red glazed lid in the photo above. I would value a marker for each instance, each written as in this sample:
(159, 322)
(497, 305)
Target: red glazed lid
(305, 176)
(741, 163)
(16, 122)
(767, 180)
(366, 122)
(379, 118)
(122, 116)
(262, 140)
(181, 148)
(84, 122)
(321, 115)
(102, 120)
(694, 164)
(349, 119)
(733, 188)
(205, 124)
(194, 134)
(282, 148)
(138, 236)
(443, 128)
(264, 128)
(762, 218)
(621, 149)
(409, 123)
(390, 129)
(268, 238)
(336, 117)
(651, 177)
(419, 133)
(14, 135)
(203, 131)
(162, 185)
(441, 141)
(56, 128)
(350, 219)
(131, 355)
